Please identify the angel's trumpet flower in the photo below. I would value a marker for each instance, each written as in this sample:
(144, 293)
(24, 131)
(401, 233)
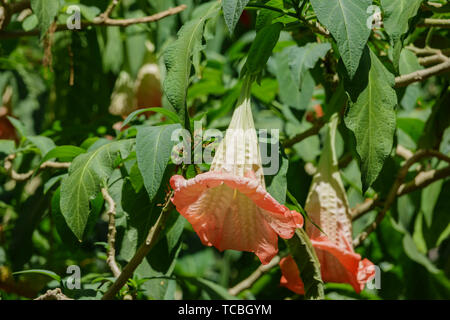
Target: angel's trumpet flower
(229, 207)
(327, 206)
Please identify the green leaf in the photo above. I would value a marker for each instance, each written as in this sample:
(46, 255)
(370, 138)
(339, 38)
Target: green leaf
(266, 16)
(396, 17)
(289, 85)
(408, 62)
(337, 102)
(429, 198)
(44, 144)
(232, 11)
(397, 14)
(371, 115)
(153, 150)
(46, 11)
(347, 22)
(89, 12)
(185, 52)
(6, 147)
(302, 59)
(412, 127)
(437, 123)
(48, 273)
(30, 22)
(113, 52)
(215, 291)
(261, 48)
(307, 262)
(19, 126)
(66, 153)
(86, 175)
(171, 115)
(277, 184)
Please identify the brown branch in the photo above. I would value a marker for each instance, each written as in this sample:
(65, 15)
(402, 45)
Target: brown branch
(8, 165)
(111, 254)
(306, 134)
(368, 205)
(53, 295)
(141, 253)
(258, 273)
(427, 51)
(105, 15)
(423, 179)
(430, 4)
(432, 60)
(407, 79)
(394, 191)
(403, 152)
(439, 23)
(99, 21)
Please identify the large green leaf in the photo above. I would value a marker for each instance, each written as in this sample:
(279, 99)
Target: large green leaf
(185, 52)
(265, 16)
(371, 115)
(305, 58)
(232, 11)
(347, 22)
(87, 173)
(262, 46)
(397, 14)
(307, 262)
(289, 85)
(153, 150)
(46, 12)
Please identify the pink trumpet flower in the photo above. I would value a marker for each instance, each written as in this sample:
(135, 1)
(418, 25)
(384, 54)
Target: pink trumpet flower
(328, 208)
(229, 207)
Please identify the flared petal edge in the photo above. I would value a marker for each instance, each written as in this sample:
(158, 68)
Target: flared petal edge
(224, 230)
(337, 265)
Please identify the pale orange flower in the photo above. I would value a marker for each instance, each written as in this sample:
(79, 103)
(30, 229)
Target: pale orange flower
(229, 207)
(328, 208)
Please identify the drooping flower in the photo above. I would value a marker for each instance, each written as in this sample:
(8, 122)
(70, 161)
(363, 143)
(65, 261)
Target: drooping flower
(229, 207)
(327, 206)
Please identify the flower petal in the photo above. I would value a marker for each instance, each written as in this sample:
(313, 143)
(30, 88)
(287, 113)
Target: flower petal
(291, 275)
(233, 212)
(336, 265)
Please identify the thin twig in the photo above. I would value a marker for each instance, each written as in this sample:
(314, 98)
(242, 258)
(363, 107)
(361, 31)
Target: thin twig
(111, 254)
(432, 60)
(423, 179)
(141, 253)
(440, 23)
(258, 273)
(8, 165)
(99, 21)
(394, 191)
(407, 79)
(306, 134)
(427, 51)
(403, 152)
(109, 9)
